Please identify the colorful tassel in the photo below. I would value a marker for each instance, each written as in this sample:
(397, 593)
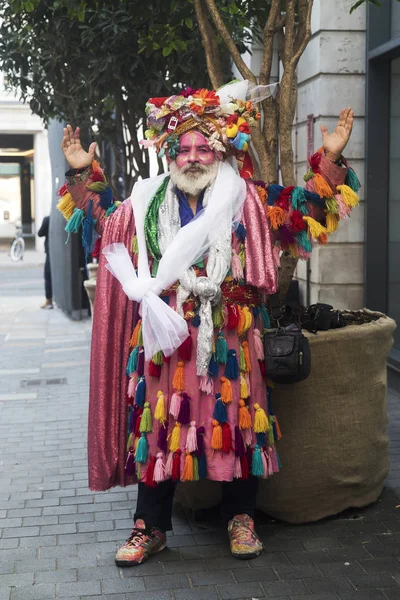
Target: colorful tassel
(261, 439)
(131, 387)
(130, 464)
(258, 345)
(178, 382)
(158, 358)
(176, 466)
(142, 449)
(244, 390)
(343, 209)
(265, 467)
(245, 320)
(129, 442)
(154, 370)
(276, 216)
(175, 406)
(226, 437)
(140, 396)
(265, 317)
(298, 198)
(75, 222)
(244, 464)
(160, 413)
(216, 439)
(232, 366)
(137, 421)
(140, 365)
(237, 473)
(195, 469)
(66, 206)
(87, 229)
(332, 206)
(185, 349)
(221, 349)
(350, 198)
(132, 361)
(242, 362)
(332, 222)
(200, 433)
(233, 317)
(168, 465)
(196, 321)
(146, 422)
(163, 436)
(213, 367)
(241, 232)
(220, 414)
(187, 474)
(134, 341)
(322, 187)
(261, 424)
(236, 266)
(184, 410)
(206, 385)
(239, 443)
(246, 352)
(159, 469)
(256, 463)
(202, 466)
(175, 441)
(149, 480)
(191, 440)
(314, 227)
(226, 390)
(218, 316)
(244, 415)
(352, 180)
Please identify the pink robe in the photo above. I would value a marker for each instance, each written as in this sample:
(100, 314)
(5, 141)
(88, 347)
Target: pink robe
(113, 322)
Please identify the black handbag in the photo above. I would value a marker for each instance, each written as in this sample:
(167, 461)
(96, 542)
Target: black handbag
(287, 354)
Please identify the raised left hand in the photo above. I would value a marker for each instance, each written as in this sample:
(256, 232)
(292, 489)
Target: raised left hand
(335, 142)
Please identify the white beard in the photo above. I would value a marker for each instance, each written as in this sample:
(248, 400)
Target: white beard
(193, 182)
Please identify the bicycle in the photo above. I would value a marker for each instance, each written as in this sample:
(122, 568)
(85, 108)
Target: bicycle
(18, 246)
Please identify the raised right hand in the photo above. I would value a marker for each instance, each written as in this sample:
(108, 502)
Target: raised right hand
(75, 155)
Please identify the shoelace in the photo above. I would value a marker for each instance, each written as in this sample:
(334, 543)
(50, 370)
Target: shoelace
(137, 535)
(241, 531)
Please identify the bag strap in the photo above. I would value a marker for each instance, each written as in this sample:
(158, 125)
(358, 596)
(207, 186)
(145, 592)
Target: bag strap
(275, 307)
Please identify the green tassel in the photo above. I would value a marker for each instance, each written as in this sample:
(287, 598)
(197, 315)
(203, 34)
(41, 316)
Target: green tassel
(242, 362)
(352, 180)
(135, 245)
(142, 450)
(74, 222)
(132, 361)
(271, 439)
(242, 256)
(218, 316)
(200, 264)
(146, 421)
(265, 317)
(309, 175)
(97, 186)
(303, 241)
(158, 358)
(256, 464)
(111, 209)
(221, 349)
(140, 336)
(298, 198)
(154, 269)
(332, 206)
(195, 469)
(129, 442)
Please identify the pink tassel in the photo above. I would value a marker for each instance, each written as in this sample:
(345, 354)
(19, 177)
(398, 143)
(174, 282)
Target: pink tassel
(175, 405)
(132, 387)
(236, 266)
(265, 465)
(344, 210)
(258, 345)
(206, 385)
(168, 466)
(274, 460)
(159, 469)
(270, 470)
(276, 254)
(247, 436)
(191, 440)
(238, 468)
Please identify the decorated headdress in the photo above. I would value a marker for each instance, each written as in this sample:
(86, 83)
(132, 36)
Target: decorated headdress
(224, 116)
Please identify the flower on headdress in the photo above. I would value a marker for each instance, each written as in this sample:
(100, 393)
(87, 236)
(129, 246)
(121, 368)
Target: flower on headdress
(227, 109)
(188, 92)
(214, 141)
(173, 146)
(244, 128)
(203, 99)
(175, 102)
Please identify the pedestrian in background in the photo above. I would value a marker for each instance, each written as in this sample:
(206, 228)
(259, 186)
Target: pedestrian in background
(44, 232)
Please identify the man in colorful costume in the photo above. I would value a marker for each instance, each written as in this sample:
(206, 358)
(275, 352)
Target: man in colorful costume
(178, 389)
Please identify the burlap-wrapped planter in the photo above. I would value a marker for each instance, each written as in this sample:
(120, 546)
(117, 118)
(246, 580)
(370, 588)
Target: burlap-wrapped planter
(334, 448)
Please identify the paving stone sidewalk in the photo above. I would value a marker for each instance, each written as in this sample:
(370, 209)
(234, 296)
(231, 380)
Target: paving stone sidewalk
(58, 540)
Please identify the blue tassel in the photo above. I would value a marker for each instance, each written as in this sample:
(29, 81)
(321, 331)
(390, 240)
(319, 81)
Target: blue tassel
(140, 397)
(196, 321)
(202, 462)
(303, 241)
(75, 222)
(111, 209)
(133, 361)
(352, 180)
(298, 198)
(265, 317)
(220, 413)
(261, 439)
(232, 366)
(256, 311)
(274, 430)
(241, 232)
(142, 449)
(221, 349)
(256, 462)
(106, 198)
(87, 230)
(213, 367)
(274, 191)
(130, 419)
(314, 198)
(165, 299)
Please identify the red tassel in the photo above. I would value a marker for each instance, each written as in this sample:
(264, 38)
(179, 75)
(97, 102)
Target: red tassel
(315, 162)
(97, 176)
(245, 467)
(137, 424)
(233, 316)
(150, 473)
(166, 359)
(185, 349)
(284, 197)
(262, 368)
(176, 466)
(226, 437)
(154, 370)
(63, 190)
(298, 224)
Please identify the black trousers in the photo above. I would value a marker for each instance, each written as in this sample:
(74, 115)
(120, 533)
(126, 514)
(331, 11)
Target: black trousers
(47, 279)
(154, 505)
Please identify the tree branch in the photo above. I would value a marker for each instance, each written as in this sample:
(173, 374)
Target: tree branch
(269, 34)
(304, 30)
(210, 45)
(230, 44)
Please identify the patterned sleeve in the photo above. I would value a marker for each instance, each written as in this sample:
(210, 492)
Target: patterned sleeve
(302, 217)
(86, 201)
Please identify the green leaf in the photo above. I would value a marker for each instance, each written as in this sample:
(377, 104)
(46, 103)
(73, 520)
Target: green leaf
(167, 50)
(189, 23)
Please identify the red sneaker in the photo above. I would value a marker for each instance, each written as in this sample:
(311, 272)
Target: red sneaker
(244, 541)
(141, 544)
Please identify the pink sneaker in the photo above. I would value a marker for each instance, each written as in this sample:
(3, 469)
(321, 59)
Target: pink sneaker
(140, 545)
(244, 541)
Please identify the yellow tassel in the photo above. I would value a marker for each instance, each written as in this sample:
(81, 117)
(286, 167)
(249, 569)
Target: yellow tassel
(175, 441)
(242, 320)
(160, 413)
(129, 442)
(249, 319)
(315, 228)
(226, 390)
(276, 216)
(134, 341)
(246, 353)
(66, 206)
(261, 424)
(216, 439)
(244, 392)
(244, 415)
(350, 198)
(322, 187)
(178, 382)
(187, 474)
(332, 223)
(135, 444)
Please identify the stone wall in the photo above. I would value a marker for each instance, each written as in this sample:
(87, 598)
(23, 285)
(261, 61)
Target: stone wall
(331, 76)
